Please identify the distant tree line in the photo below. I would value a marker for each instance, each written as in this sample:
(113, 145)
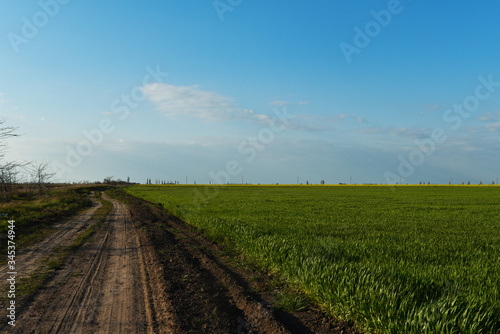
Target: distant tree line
(157, 181)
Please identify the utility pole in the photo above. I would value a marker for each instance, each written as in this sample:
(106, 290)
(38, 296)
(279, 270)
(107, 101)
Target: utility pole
(186, 180)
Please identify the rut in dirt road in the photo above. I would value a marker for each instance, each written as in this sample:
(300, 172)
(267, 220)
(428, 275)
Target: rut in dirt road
(100, 288)
(29, 260)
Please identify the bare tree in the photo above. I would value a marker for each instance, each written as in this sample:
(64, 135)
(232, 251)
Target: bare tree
(8, 177)
(8, 170)
(5, 133)
(108, 179)
(40, 174)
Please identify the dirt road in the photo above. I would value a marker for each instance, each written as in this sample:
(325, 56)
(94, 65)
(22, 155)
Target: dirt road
(145, 271)
(27, 262)
(101, 288)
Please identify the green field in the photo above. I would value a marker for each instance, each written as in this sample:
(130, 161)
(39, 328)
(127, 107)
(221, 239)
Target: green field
(420, 259)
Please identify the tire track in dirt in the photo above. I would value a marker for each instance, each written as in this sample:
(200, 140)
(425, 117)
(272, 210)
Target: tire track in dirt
(28, 260)
(31, 259)
(101, 288)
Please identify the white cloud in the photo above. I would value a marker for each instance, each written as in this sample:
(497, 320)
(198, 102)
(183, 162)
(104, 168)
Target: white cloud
(263, 118)
(485, 117)
(279, 103)
(191, 100)
(401, 132)
(345, 117)
(493, 126)
(432, 107)
(490, 117)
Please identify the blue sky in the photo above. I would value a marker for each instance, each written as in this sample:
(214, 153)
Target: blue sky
(267, 92)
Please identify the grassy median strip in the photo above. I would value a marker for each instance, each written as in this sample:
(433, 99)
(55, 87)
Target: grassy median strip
(99, 218)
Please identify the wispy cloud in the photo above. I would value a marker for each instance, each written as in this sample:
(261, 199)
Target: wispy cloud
(193, 101)
(429, 108)
(493, 126)
(401, 132)
(2, 99)
(350, 117)
(279, 103)
(490, 117)
(432, 107)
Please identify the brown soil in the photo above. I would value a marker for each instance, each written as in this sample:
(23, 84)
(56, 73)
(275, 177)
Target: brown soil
(145, 271)
(27, 260)
(211, 295)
